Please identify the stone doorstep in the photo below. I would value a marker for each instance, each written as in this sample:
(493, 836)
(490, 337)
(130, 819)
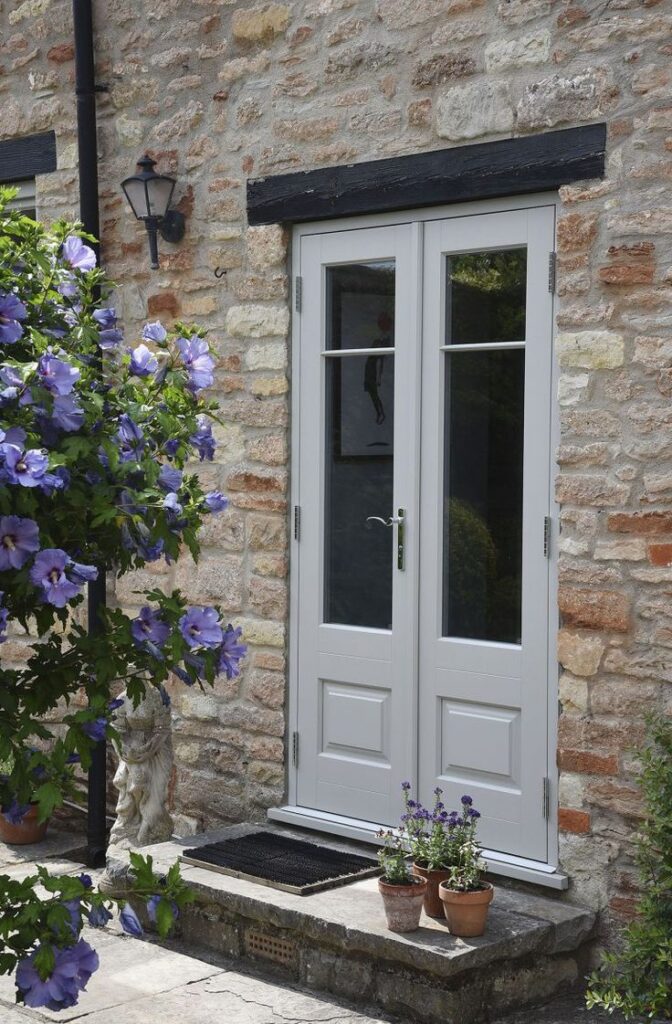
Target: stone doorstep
(337, 940)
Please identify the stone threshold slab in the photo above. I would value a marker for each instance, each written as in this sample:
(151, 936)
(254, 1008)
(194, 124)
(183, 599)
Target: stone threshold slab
(520, 925)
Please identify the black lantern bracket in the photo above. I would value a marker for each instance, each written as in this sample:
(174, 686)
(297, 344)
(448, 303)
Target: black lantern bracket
(149, 195)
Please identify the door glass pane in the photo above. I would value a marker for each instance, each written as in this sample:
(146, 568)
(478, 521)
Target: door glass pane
(360, 305)
(483, 494)
(485, 296)
(359, 443)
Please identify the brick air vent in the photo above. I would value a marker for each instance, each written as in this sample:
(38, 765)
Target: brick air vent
(269, 947)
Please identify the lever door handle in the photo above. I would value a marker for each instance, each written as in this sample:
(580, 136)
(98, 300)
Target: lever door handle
(398, 521)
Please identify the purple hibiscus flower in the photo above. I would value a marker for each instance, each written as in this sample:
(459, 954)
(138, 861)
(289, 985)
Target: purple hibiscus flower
(139, 540)
(26, 468)
(99, 916)
(195, 353)
(59, 480)
(106, 318)
(73, 967)
(202, 440)
(149, 626)
(15, 812)
(13, 382)
(56, 375)
(19, 538)
(215, 501)
(170, 479)
(143, 362)
(129, 921)
(154, 332)
(201, 627)
(66, 414)
(172, 505)
(131, 439)
(96, 729)
(11, 312)
(49, 573)
(77, 255)
(231, 652)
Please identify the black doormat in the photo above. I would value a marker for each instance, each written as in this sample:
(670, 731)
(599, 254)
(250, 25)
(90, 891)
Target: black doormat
(282, 862)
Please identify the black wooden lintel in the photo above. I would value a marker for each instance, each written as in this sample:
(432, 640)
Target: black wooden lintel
(486, 170)
(27, 157)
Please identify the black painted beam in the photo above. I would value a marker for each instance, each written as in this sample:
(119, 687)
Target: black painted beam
(486, 170)
(27, 157)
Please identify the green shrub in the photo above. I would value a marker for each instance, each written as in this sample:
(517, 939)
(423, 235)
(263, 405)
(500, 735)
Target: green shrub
(637, 979)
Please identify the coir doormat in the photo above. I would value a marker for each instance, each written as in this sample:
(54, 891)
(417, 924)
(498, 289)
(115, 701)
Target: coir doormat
(282, 862)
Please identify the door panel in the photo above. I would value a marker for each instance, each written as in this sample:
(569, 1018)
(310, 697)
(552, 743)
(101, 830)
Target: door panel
(485, 487)
(357, 465)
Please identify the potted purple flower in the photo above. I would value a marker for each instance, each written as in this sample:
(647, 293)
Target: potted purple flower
(433, 840)
(402, 893)
(465, 895)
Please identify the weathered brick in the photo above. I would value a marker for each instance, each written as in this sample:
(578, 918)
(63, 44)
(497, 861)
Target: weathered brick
(594, 609)
(573, 821)
(588, 763)
(645, 523)
(660, 554)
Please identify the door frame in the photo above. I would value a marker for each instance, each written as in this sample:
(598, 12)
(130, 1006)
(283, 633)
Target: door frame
(547, 874)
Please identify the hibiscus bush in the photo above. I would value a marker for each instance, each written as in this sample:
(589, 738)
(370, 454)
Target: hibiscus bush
(98, 442)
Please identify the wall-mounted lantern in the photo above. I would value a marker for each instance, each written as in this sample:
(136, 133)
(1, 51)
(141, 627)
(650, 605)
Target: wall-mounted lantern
(149, 196)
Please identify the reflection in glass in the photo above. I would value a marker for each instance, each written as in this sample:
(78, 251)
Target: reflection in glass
(483, 494)
(360, 305)
(485, 296)
(359, 446)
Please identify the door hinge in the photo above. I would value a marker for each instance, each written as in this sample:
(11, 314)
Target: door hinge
(545, 797)
(298, 293)
(552, 271)
(547, 536)
(295, 749)
(297, 522)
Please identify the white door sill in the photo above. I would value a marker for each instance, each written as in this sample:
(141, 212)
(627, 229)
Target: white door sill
(498, 863)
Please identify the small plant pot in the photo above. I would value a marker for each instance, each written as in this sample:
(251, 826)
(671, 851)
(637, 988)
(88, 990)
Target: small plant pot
(466, 912)
(26, 832)
(433, 905)
(403, 904)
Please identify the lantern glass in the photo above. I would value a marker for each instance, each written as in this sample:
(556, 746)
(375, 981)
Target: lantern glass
(136, 195)
(159, 193)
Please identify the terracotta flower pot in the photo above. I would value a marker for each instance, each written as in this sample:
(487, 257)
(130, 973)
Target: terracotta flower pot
(466, 912)
(27, 831)
(433, 905)
(403, 904)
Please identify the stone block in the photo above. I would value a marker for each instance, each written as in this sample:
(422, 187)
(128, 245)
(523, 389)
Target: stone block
(268, 598)
(468, 111)
(253, 321)
(557, 99)
(590, 490)
(630, 549)
(271, 356)
(267, 533)
(266, 246)
(579, 653)
(593, 350)
(441, 68)
(576, 232)
(262, 633)
(594, 609)
(260, 24)
(588, 763)
(502, 54)
(216, 578)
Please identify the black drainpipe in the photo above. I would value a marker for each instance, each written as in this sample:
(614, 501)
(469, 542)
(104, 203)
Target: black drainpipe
(87, 144)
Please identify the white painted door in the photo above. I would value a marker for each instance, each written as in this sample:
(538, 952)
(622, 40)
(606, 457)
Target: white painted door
(357, 370)
(485, 495)
(422, 364)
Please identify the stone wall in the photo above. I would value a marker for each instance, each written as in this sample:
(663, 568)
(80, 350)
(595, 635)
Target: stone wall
(219, 90)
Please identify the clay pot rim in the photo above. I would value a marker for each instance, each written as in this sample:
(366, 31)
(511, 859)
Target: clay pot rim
(431, 871)
(487, 890)
(412, 888)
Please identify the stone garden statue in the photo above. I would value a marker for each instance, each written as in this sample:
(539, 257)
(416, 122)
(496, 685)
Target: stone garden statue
(145, 763)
